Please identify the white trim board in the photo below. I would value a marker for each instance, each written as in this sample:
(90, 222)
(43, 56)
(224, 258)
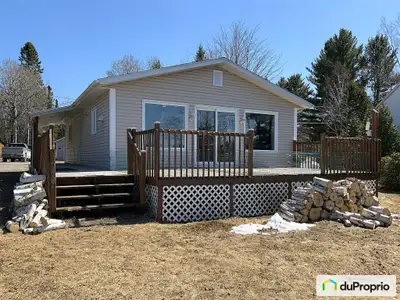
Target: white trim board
(112, 108)
(276, 137)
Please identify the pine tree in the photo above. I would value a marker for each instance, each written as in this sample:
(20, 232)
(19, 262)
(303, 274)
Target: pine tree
(379, 60)
(156, 64)
(50, 97)
(30, 58)
(341, 49)
(296, 85)
(200, 54)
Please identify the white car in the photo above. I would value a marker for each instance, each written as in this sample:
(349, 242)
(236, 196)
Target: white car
(16, 151)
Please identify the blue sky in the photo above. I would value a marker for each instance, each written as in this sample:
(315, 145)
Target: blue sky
(77, 40)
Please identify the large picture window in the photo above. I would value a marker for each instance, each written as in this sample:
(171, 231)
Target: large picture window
(170, 116)
(264, 125)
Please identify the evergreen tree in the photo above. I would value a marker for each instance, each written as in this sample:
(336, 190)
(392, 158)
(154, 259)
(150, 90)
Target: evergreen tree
(379, 60)
(50, 98)
(30, 58)
(156, 64)
(200, 54)
(340, 49)
(297, 86)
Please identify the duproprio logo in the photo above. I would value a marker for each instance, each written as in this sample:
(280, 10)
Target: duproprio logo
(329, 281)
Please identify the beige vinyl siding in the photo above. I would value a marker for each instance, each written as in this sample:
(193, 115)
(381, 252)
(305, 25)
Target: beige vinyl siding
(72, 134)
(196, 88)
(95, 147)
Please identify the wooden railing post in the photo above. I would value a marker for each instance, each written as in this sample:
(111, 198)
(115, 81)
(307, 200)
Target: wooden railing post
(142, 177)
(130, 132)
(51, 173)
(156, 156)
(35, 143)
(322, 155)
(250, 134)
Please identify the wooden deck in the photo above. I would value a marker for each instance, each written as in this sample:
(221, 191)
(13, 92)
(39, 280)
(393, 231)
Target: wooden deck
(82, 171)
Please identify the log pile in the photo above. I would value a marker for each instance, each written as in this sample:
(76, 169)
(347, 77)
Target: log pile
(347, 201)
(30, 207)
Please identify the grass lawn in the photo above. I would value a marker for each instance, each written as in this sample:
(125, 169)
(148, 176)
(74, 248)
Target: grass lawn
(191, 261)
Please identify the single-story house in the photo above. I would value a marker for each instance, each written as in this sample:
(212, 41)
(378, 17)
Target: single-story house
(212, 95)
(392, 100)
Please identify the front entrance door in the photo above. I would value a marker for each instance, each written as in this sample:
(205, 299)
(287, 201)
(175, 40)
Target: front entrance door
(210, 149)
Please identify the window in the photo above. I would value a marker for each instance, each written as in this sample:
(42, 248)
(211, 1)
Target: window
(217, 78)
(93, 120)
(265, 129)
(170, 116)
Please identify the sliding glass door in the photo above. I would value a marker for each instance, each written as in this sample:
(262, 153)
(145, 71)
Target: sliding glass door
(215, 149)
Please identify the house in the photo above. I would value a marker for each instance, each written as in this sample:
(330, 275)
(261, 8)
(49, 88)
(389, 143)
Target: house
(392, 100)
(212, 95)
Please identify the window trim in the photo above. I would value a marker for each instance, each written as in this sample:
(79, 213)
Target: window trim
(93, 125)
(265, 112)
(148, 101)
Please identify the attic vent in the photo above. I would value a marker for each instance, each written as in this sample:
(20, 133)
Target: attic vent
(217, 78)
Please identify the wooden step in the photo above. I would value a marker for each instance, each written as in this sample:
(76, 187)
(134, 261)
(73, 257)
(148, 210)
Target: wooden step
(93, 207)
(74, 197)
(101, 185)
(95, 179)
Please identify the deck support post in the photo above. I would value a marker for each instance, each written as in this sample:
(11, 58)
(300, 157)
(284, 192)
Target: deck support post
(250, 135)
(156, 150)
(51, 173)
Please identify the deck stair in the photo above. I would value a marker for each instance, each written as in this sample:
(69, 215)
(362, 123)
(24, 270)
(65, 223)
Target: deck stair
(95, 193)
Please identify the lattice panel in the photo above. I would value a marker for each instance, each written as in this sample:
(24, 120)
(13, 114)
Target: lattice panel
(296, 184)
(371, 185)
(257, 199)
(185, 203)
(151, 192)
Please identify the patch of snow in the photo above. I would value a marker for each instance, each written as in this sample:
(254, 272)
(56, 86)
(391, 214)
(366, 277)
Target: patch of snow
(396, 217)
(276, 224)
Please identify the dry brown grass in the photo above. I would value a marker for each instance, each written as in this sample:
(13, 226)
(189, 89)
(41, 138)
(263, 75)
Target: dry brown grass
(190, 261)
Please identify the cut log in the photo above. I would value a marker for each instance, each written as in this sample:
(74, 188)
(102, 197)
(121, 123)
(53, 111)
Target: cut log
(303, 192)
(362, 222)
(339, 202)
(36, 221)
(27, 218)
(318, 202)
(381, 210)
(376, 201)
(47, 221)
(304, 212)
(32, 185)
(37, 195)
(304, 219)
(314, 214)
(323, 182)
(340, 190)
(325, 214)
(28, 178)
(369, 201)
(333, 197)
(319, 188)
(12, 227)
(287, 216)
(328, 205)
(369, 214)
(347, 223)
(379, 223)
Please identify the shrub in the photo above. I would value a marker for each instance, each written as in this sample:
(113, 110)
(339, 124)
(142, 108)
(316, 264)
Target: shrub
(390, 171)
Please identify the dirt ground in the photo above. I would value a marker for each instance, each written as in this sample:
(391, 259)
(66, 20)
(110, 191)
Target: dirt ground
(191, 261)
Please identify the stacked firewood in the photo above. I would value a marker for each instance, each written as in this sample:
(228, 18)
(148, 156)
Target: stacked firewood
(348, 201)
(30, 207)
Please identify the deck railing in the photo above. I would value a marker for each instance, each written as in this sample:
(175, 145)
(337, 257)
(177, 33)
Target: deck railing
(44, 161)
(307, 154)
(185, 154)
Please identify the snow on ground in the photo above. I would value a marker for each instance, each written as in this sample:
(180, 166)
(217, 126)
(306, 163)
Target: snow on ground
(276, 224)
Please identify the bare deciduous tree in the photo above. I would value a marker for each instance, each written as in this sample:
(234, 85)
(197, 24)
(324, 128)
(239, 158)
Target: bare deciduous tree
(128, 64)
(392, 30)
(335, 107)
(21, 92)
(243, 46)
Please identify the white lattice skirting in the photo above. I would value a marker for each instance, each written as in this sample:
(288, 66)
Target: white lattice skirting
(151, 193)
(186, 203)
(255, 199)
